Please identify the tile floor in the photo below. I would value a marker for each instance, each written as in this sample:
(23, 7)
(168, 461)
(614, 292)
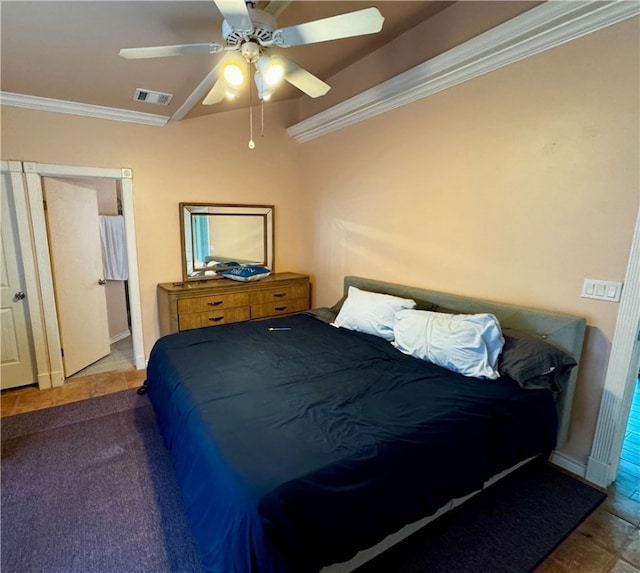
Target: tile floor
(29, 398)
(120, 358)
(606, 542)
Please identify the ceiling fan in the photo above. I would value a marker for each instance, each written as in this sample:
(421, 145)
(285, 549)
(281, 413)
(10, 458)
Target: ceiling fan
(249, 34)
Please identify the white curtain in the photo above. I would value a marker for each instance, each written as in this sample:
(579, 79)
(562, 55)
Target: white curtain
(114, 248)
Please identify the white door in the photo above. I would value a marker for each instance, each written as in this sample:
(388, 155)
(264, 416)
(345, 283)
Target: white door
(17, 354)
(76, 261)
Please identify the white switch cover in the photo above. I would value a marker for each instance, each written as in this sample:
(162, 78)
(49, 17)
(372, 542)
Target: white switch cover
(601, 290)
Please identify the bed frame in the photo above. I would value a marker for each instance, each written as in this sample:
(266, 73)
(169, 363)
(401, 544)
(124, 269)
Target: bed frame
(563, 331)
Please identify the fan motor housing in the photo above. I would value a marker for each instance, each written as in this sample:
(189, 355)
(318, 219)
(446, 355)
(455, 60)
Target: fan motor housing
(263, 26)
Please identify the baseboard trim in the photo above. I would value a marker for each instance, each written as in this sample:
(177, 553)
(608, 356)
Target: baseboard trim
(44, 381)
(598, 472)
(57, 378)
(140, 362)
(568, 463)
(120, 336)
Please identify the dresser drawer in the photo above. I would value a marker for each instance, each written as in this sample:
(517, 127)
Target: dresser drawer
(199, 304)
(281, 307)
(211, 302)
(191, 320)
(284, 293)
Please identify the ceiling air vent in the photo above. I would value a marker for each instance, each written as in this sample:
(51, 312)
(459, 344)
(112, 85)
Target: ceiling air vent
(149, 96)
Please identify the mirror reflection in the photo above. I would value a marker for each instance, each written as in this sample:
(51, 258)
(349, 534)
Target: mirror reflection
(215, 235)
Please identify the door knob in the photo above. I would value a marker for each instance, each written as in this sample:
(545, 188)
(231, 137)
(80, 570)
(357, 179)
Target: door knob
(19, 295)
(102, 282)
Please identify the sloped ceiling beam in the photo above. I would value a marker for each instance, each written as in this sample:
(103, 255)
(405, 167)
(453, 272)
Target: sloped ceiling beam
(544, 27)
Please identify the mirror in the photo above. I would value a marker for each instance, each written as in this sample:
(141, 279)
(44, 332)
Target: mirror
(215, 234)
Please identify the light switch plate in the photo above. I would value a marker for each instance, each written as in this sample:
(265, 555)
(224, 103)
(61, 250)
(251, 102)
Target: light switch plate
(601, 290)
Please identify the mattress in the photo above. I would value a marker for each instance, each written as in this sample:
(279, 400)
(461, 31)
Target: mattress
(297, 444)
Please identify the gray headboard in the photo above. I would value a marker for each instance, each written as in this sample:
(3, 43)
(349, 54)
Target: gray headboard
(563, 331)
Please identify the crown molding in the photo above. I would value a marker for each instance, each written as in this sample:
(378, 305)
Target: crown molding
(544, 27)
(82, 109)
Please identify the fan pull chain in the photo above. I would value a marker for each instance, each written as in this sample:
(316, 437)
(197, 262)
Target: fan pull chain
(262, 118)
(252, 143)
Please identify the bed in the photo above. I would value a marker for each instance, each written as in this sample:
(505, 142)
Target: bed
(302, 447)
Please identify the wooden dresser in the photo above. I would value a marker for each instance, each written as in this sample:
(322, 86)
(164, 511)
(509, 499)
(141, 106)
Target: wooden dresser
(183, 306)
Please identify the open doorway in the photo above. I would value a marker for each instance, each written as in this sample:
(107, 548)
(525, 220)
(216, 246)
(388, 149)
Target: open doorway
(87, 245)
(121, 179)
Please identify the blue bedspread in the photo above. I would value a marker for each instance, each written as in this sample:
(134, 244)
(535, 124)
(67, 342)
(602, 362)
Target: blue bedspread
(295, 449)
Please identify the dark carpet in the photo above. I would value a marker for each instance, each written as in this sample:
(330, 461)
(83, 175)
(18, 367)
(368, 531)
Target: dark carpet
(89, 488)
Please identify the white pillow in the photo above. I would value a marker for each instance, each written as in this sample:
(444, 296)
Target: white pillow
(466, 343)
(371, 312)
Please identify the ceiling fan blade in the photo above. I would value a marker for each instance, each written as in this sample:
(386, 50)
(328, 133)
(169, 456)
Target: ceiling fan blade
(217, 92)
(367, 21)
(305, 81)
(166, 51)
(236, 14)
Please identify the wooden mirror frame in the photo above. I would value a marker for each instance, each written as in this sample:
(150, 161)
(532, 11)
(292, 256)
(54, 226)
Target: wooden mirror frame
(190, 270)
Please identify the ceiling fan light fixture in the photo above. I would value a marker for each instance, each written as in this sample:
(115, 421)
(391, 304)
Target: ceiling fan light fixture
(250, 51)
(233, 74)
(272, 69)
(233, 70)
(264, 91)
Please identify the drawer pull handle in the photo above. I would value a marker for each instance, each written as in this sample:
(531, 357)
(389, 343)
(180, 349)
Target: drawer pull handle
(214, 303)
(280, 308)
(216, 318)
(280, 294)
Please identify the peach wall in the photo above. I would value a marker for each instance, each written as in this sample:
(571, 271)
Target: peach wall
(513, 187)
(200, 160)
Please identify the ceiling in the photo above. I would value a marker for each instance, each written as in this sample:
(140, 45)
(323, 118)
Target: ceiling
(69, 50)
